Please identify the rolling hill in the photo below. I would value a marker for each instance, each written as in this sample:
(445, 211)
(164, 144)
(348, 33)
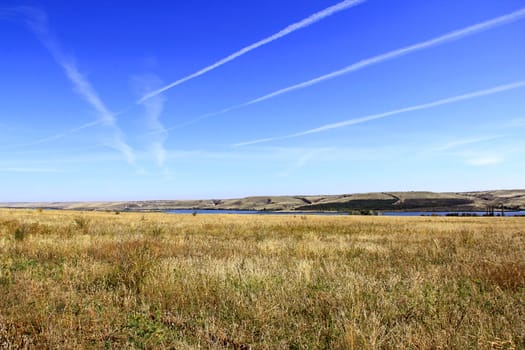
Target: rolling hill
(386, 201)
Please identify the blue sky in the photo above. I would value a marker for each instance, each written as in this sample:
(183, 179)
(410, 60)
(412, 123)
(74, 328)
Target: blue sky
(326, 97)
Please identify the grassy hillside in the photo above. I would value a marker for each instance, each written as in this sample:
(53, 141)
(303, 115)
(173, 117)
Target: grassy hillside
(424, 201)
(96, 280)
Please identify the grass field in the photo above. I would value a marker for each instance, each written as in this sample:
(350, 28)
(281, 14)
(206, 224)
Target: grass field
(100, 280)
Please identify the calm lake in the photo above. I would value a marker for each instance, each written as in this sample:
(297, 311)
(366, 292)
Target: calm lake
(412, 213)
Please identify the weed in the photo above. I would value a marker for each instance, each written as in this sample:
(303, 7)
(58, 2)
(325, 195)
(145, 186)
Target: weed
(270, 282)
(21, 232)
(133, 264)
(82, 223)
(505, 275)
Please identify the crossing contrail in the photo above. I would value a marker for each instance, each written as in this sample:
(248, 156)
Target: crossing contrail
(367, 118)
(36, 20)
(451, 36)
(153, 109)
(55, 137)
(318, 16)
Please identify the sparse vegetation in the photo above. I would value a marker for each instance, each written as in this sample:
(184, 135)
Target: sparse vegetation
(154, 281)
(356, 204)
(389, 204)
(385, 201)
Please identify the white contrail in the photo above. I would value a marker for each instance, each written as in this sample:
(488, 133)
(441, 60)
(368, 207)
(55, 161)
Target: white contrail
(371, 117)
(302, 161)
(54, 137)
(28, 170)
(288, 30)
(455, 35)
(465, 142)
(36, 20)
(153, 108)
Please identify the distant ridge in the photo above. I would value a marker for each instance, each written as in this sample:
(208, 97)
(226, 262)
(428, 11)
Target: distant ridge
(386, 201)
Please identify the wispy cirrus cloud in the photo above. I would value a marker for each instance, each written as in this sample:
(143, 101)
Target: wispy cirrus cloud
(367, 118)
(316, 17)
(466, 142)
(303, 160)
(474, 151)
(515, 123)
(451, 36)
(485, 159)
(153, 108)
(36, 21)
(28, 170)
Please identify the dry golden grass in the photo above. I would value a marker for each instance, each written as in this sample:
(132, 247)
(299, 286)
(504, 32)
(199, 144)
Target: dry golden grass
(100, 280)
